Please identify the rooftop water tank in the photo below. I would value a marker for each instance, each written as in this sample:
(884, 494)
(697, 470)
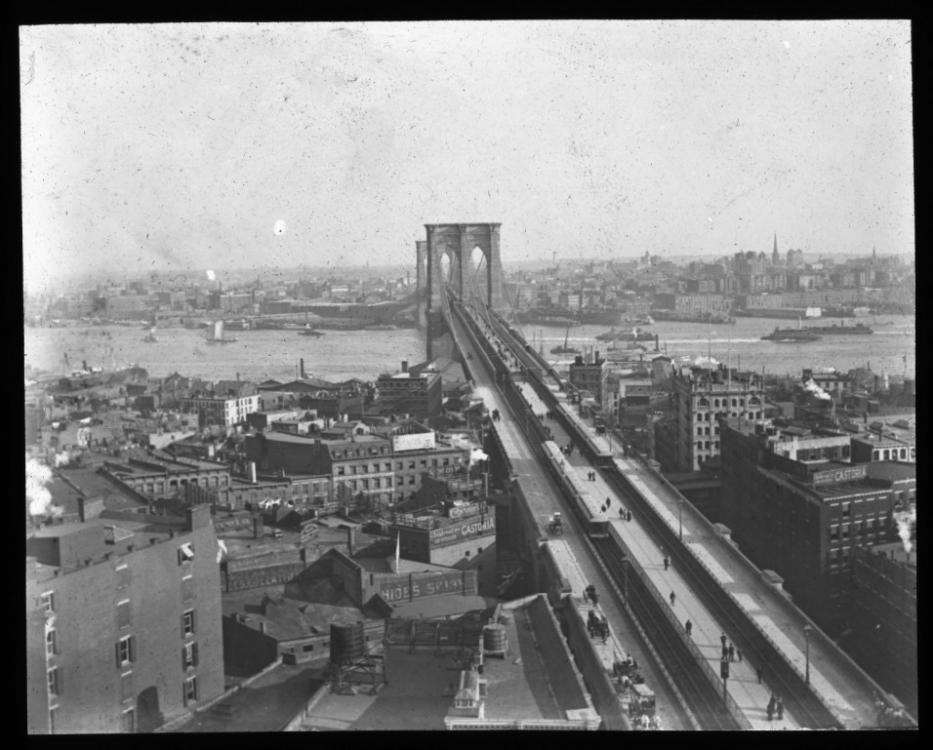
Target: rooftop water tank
(347, 643)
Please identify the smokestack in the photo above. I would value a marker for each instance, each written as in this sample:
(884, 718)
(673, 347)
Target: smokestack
(404, 365)
(252, 472)
(302, 367)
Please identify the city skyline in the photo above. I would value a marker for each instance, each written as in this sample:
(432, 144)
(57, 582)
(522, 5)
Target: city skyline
(232, 145)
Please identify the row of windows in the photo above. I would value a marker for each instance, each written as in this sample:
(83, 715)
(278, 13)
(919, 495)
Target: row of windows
(736, 402)
(161, 486)
(387, 467)
(705, 430)
(705, 445)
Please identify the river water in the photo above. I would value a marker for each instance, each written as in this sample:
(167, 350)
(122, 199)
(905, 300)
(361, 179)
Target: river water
(339, 355)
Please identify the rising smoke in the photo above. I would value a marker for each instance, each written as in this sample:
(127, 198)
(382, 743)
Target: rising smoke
(477, 455)
(38, 477)
(813, 388)
(905, 519)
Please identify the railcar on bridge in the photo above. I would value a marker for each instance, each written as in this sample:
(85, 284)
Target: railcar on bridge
(587, 507)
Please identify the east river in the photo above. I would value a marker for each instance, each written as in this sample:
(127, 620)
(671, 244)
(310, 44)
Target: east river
(340, 355)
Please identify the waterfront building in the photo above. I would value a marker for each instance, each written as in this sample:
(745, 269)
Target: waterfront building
(218, 410)
(591, 376)
(123, 629)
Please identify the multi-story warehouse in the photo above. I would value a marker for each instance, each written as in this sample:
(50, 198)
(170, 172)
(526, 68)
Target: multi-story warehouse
(701, 396)
(383, 470)
(221, 411)
(123, 622)
(160, 475)
(416, 393)
(795, 506)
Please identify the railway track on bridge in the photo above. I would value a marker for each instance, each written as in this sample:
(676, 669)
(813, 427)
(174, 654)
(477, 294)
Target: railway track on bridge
(799, 700)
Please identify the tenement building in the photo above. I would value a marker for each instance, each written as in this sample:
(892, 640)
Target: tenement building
(123, 622)
(417, 392)
(795, 505)
(217, 410)
(703, 395)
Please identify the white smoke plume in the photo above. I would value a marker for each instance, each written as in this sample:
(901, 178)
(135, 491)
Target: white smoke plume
(211, 276)
(38, 475)
(477, 455)
(813, 388)
(221, 550)
(458, 441)
(904, 520)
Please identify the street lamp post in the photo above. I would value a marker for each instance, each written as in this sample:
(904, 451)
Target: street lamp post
(806, 632)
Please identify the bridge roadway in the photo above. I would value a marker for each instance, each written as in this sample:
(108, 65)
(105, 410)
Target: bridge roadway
(750, 696)
(544, 499)
(842, 687)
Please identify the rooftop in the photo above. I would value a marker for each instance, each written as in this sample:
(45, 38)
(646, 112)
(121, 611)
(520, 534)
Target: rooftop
(266, 705)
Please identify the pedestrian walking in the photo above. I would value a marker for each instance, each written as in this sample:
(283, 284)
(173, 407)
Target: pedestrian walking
(628, 516)
(738, 653)
(725, 653)
(731, 652)
(780, 709)
(723, 640)
(689, 627)
(758, 669)
(667, 562)
(770, 711)
(673, 597)
(622, 513)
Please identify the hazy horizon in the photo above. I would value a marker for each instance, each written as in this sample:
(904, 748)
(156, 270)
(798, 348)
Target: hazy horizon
(185, 146)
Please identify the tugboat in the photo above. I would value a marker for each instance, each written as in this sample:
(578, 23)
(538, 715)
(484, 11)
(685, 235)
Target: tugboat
(309, 331)
(565, 349)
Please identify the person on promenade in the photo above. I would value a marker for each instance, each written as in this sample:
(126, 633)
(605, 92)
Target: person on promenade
(688, 626)
(780, 709)
(758, 670)
(673, 597)
(667, 562)
(731, 652)
(723, 640)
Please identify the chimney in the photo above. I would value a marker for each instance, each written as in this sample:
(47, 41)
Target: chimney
(252, 472)
(302, 367)
(262, 627)
(351, 540)
(404, 365)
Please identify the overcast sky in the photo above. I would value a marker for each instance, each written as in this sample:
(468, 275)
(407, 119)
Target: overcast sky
(182, 145)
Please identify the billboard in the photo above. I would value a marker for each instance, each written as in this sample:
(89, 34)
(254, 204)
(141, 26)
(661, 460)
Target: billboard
(463, 529)
(418, 441)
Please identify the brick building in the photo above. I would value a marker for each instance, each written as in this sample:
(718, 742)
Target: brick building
(702, 395)
(796, 506)
(383, 470)
(123, 622)
(592, 376)
(220, 410)
(410, 392)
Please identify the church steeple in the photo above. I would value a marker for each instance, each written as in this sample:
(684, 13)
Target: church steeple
(775, 257)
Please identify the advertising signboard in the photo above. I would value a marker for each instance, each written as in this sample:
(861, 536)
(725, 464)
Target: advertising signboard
(401, 589)
(419, 441)
(463, 529)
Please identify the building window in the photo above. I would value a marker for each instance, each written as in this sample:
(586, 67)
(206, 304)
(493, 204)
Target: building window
(54, 681)
(190, 690)
(47, 602)
(185, 553)
(187, 588)
(189, 655)
(126, 686)
(123, 576)
(50, 643)
(411, 480)
(126, 650)
(187, 623)
(123, 614)
(411, 464)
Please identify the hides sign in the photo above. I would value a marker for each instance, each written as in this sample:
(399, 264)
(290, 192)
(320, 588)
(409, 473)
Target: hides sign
(404, 590)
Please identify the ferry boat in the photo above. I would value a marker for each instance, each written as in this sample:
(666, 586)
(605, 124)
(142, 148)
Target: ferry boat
(859, 329)
(636, 334)
(791, 336)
